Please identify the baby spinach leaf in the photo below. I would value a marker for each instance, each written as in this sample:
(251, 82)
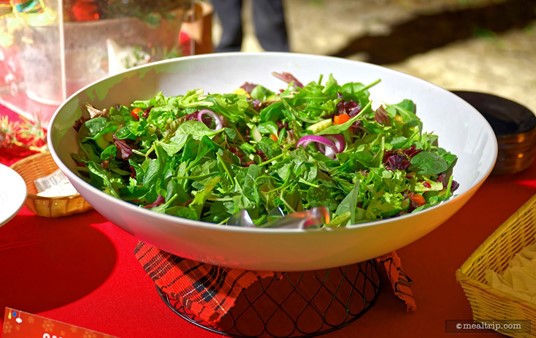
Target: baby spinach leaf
(428, 163)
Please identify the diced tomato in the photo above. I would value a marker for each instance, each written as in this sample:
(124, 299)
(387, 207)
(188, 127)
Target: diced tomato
(341, 118)
(135, 113)
(274, 137)
(417, 199)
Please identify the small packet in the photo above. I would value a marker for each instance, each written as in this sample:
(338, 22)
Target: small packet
(54, 185)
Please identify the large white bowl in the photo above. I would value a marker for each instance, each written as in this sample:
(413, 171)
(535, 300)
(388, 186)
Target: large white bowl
(461, 129)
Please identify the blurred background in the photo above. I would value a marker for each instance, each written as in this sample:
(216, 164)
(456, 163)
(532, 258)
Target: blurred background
(481, 45)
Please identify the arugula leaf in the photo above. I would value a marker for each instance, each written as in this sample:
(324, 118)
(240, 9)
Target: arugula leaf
(201, 196)
(250, 187)
(349, 204)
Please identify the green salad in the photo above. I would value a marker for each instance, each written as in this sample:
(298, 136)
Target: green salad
(207, 156)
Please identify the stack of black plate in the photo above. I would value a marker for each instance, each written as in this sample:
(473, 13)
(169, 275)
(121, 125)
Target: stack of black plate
(514, 126)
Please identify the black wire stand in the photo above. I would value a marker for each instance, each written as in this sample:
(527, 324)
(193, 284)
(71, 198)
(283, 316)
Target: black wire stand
(296, 304)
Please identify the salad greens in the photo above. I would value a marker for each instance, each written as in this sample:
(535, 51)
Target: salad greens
(206, 156)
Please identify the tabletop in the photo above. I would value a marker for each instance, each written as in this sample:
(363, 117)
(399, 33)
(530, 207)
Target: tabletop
(82, 270)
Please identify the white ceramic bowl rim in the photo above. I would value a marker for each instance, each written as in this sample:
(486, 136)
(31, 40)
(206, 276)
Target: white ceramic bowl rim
(461, 129)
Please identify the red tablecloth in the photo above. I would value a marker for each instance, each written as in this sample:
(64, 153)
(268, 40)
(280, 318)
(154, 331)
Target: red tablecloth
(82, 270)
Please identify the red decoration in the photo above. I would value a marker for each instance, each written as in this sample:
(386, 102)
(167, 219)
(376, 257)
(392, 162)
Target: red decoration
(85, 10)
(21, 138)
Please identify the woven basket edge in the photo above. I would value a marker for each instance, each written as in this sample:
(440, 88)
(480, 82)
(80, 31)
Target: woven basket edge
(488, 242)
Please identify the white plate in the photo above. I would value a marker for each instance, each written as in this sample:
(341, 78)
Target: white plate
(12, 193)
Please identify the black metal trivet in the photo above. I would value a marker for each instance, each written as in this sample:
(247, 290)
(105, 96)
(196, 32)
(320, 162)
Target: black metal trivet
(296, 304)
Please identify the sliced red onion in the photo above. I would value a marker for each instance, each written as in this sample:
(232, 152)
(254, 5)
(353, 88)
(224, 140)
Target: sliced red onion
(307, 139)
(217, 119)
(324, 144)
(326, 150)
(338, 139)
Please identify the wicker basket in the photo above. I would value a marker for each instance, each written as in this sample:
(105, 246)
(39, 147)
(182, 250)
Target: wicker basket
(40, 165)
(487, 303)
